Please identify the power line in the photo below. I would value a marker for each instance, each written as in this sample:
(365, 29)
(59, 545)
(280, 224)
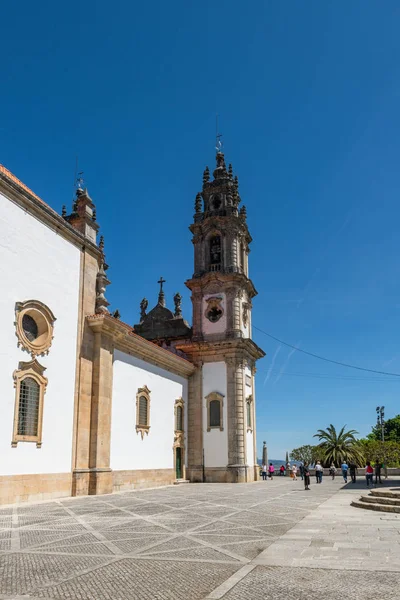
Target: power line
(349, 378)
(329, 360)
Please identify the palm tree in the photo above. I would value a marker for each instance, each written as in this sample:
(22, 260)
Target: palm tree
(338, 447)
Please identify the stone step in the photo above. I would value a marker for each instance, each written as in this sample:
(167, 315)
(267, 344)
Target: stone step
(181, 481)
(376, 506)
(388, 493)
(381, 499)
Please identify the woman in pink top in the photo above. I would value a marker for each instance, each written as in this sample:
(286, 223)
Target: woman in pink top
(271, 470)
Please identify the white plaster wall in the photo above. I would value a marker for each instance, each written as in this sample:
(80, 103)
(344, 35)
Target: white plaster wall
(245, 329)
(219, 326)
(155, 451)
(37, 263)
(215, 441)
(249, 449)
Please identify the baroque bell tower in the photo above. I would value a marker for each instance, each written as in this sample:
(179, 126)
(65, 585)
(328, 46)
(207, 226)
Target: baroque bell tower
(221, 436)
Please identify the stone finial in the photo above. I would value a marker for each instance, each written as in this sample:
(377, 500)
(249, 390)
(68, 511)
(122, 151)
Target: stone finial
(116, 314)
(101, 243)
(230, 171)
(64, 211)
(161, 295)
(101, 283)
(178, 304)
(143, 307)
(94, 215)
(206, 175)
(236, 183)
(243, 212)
(197, 203)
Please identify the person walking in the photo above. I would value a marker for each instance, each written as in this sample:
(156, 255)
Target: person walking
(353, 472)
(378, 469)
(369, 473)
(306, 476)
(318, 472)
(301, 471)
(345, 468)
(264, 472)
(332, 471)
(294, 472)
(271, 471)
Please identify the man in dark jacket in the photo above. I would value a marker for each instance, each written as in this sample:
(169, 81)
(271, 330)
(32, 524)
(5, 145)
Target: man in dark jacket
(353, 471)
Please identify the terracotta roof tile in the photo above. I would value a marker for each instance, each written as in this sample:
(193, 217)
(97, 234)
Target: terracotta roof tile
(11, 177)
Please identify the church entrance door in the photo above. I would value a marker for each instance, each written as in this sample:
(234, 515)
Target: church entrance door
(178, 462)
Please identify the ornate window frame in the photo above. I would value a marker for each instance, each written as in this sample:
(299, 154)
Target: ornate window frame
(44, 320)
(215, 396)
(35, 371)
(140, 428)
(249, 411)
(179, 404)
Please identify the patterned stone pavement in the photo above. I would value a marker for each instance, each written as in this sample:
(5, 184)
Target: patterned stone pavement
(268, 540)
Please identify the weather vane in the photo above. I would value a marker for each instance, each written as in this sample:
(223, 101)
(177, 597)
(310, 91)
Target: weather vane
(218, 136)
(79, 181)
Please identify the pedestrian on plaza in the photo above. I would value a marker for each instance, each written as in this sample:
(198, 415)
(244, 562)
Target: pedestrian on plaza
(384, 467)
(353, 471)
(271, 471)
(294, 471)
(345, 468)
(369, 473)
(306, 476)
(264, 472)
(332, 471)
(318, 472)
(281, 470)
(301, 471)
(378, 468)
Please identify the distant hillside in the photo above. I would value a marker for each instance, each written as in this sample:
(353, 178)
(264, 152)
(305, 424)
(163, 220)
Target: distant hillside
(278, 463)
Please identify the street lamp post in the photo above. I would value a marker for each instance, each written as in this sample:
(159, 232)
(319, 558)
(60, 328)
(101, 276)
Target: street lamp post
(380, 417)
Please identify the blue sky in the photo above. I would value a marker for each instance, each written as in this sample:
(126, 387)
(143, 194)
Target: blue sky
(308, 96)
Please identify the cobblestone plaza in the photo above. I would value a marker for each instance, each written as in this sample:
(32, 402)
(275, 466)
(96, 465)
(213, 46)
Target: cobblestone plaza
(267, 540)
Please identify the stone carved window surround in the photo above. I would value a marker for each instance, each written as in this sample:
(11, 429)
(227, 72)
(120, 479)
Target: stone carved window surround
(34, 371)
(40, 320)
(249, 413)
(143, 395)
(215, 397)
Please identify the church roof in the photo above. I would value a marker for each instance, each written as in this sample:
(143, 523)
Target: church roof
(11, 177)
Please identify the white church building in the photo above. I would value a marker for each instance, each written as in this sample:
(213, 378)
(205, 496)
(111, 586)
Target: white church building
(92, 405)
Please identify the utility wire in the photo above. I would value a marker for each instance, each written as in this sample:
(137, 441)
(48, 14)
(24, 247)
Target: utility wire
(329, 360)
(349, 378)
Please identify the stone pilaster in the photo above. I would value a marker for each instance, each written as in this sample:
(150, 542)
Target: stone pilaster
(100, 426)
(236, 421)
(195, 426)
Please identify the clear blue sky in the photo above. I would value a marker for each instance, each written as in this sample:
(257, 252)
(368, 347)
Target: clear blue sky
(308, 96)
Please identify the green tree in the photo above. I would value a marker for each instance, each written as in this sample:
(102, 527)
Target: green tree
(338, 447)
(303, 454)
(391, 430)
(383, 452)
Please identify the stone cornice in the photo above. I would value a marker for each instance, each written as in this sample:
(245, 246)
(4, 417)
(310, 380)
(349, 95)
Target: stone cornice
(237, 349)
(32, 204)
(239, 280)
(126, 340)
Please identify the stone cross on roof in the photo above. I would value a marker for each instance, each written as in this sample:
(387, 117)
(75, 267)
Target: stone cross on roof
(161, 297)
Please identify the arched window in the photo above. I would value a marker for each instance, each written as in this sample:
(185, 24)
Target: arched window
(28, 408)
(30, 387)
(249, 413)
(215, 252)
(179, 418)
(143, 411)
(214, 411)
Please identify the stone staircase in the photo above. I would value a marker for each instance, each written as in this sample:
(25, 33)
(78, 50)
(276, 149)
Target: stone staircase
(386, 500)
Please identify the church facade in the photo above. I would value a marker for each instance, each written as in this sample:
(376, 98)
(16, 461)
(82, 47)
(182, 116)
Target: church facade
(92, 405)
